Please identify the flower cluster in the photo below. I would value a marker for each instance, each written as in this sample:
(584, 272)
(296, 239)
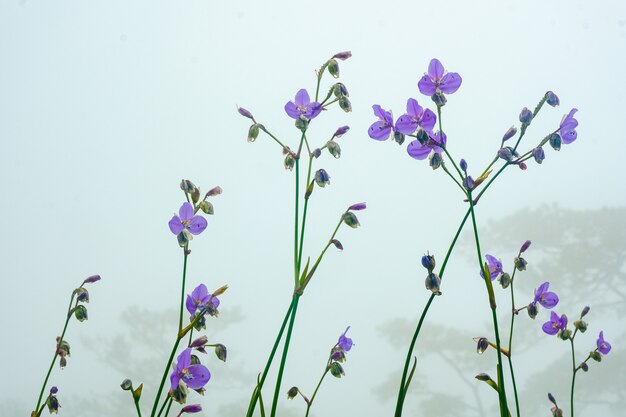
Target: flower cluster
(187, 223)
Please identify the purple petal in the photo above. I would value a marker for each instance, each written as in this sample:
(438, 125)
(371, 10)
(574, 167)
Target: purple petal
(569, 137)
(200, 292)
(417, 151)
(435, 69)
(379, 112)
(184, 360)
(549, 299)
(302, 98)
(413, 108)
(548, 327)
(191, 305)
(438, 139)
(428, 120)
(450, 83)
(292, 110)
(175, 225)
(197, 225)
(186, 211)
(426, 86)
(379, 131)
(313, 110)
(174, 379)
(406, 124)
(200, 376)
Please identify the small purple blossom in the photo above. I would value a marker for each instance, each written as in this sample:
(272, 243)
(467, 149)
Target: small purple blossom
(92, 279)
(187, 219)
(435, 80)
(192, 408)
(194, 376)
(381, 129)
(245, 113)
(494, 265)
(525, 246)
(345, 343)
(415, 117)
(200, 299)
(357, 207)
(343, 55)
(302, 107)
(552, 99)
(567, 129)
(341, 131)
(604, 347)
(435, 143)
(525, 116)
(555, 324)
(544, 297)
(509, 133)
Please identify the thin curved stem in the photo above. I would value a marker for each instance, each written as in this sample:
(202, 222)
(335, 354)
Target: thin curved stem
(571, 398)
(510, 356)
(310, 402)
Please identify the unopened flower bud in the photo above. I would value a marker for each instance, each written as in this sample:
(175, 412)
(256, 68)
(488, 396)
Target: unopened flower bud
(398, 137)
(309, 190)
(290, 161)
(345, 104)
(433, 283)
(333, 148)
(351, 220)
(214, 191)
(505, 280)
(532, 310)
(92, 279)
(336, 370)
(54, 390)
(585, 311)
(435, 160)
(80, 312)
(468, 183)
(520, 263)
(439, 99)
(522, 166)
(187, 186)
(245, 113)
(581, 325)
(340, 90)
(343, 55)
(53, 404)
(253, 132)
(551, 398)
(509, 133)
(190, 409)
(206, 207)
(525, 116)
(341, 131)
(584, 366)
(463, 165)
(293, 391)
(506, 153)
(481, 345)
(596, 356)
(221, 352)
(552, 99)
(428, 262)
(555, 141)
(201, 341)
(483, 377)
(337, 244)
(565, 334)
(82, 295)
(358, 206)
(127, 384)
(333, 67)
(195, 195)
(302, 124)
(525, 246)
(539, 154)
(317, 152)
(322, 178)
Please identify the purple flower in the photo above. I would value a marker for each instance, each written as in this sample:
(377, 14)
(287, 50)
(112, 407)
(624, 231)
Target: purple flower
(567, 129)
(194, 376)
(192, 408)
(302, 107)
(358, 206)
(199, 299)
(495, 267)
(92, 279)
(555, 324)
(604, 347)
(544, 297)
(415, 117)
(187, 219)
(437, 80)
(345, 343)
(381, 129)
(509, 133)
(435, 143)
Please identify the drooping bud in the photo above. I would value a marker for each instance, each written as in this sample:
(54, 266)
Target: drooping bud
(509, 133)
(581, 325)
(525, 116)
(343, 55)
(317, 152)
(596, 356)
(463, 165)
(190, 409)
(341, 131)
(439, 99)
(539, 154)
(525, 246)
(532, 310)
(245, 113)
(337, 244)
(180, 393)
(584, 366)
(336, 370)
(433, 283)
(398, 137)
(53, 404)
(506, 153)
(83, 295)
(505, 280)
(344, 103)
(322, 178)
(333, 67)
(201, 341)
(206, 207)
(187, 186)
(80, 312)
(340, 90)
(358, 207)
(552, 99)
(585, 311)
(334, 148)
(351, 220)
(555, 141)
(214, 191)
(565, 334)
(253, 132)
(481, 344)
(428, 262)
(520, 263)
(293, 391)
(483, 377)
(127, 384)
(92, 279)
(184, 237)
(290, 161)
(435, 160)
(551, 398)
(221, 352)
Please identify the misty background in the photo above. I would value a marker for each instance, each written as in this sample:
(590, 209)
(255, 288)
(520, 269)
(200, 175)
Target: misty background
(106, 106)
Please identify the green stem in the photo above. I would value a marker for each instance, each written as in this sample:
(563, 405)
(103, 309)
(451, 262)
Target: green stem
(283, 359)
(510, 345)
(571, 398)
(443, 146)
(182, 291)
(136, 400)
(257, 391)
(310, 403)
(501, 386)
(402, 391)
(163, 406)
(169, 405)
(306, 205)
(454, 179)
(56, 352)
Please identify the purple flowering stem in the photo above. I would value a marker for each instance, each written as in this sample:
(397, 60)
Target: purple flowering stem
(56, 352)
(501, 387)
(403, 382)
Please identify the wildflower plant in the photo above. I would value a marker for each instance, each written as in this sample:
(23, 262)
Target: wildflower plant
(304, 109)
(429, 141)
(78, 310)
